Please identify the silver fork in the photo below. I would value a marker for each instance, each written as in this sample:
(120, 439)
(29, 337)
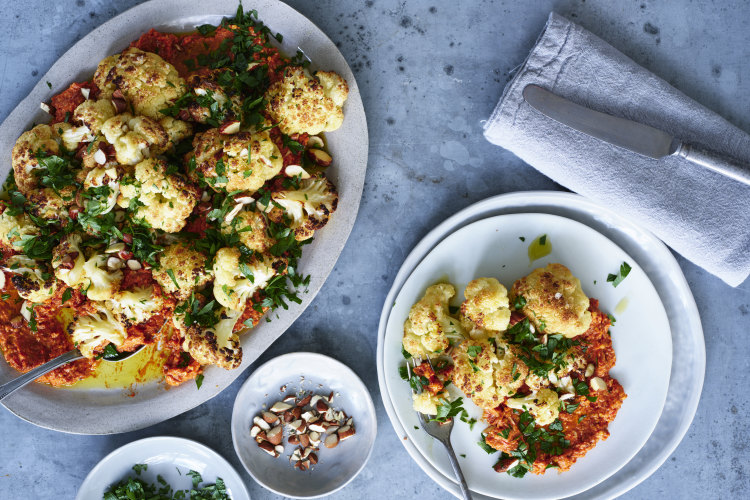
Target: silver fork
(442, 432)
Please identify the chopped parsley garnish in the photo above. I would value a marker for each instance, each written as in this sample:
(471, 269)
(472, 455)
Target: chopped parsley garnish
(198, 384)
(135, 488)
(67, 294)
(519, 302)
(473, 351)
(616, 279)
(447, 410)
(534, 439)
(171, 275)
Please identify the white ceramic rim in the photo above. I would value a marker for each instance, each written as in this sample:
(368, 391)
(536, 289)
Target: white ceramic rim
(169, 441)
(110, 411)
(323, 360)
(632, 239)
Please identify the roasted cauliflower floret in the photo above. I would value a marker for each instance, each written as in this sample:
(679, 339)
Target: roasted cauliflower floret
(106, 87)
(510, 371)
(135, 137)
(93, 331)
(426, 403)
(32, 279)
(164, 200)
(73, 136)
(307, 104)
(147, 81)
(555, 302)
(209, 94)
(176, 130)
(188, 267)
(473, 364)
(97, 178)
(486, 306)
(68, 260)
(48, 204)
(429, 329)
(135, 306)
(544, 405)
(15, 229)
(93, 113)
(218, 345)
(100, 282)
(251, 227)
(308, 207)
(235, 282)
(42, 138)
(241, 161)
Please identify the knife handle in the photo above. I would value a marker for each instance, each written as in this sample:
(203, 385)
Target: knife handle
(715, 161)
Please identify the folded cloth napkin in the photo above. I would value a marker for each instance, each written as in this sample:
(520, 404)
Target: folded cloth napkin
(700, 214)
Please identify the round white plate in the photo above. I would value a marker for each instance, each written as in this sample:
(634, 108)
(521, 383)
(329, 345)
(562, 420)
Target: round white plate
(493, 247)
(170, 457)
(107, 411)
(304, 371)
(660, 268)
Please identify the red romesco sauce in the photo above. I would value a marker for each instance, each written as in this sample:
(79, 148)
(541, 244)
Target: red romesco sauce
(25, 349)
(589, 423)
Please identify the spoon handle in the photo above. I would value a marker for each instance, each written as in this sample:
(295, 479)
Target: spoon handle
(18, 382)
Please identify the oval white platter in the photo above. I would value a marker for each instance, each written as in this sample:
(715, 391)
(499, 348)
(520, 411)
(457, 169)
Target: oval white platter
(309, 372)
(107, 411)
(655, 264)
(169, 457)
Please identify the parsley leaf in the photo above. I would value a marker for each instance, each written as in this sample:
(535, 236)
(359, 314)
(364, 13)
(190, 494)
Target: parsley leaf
(616, 279)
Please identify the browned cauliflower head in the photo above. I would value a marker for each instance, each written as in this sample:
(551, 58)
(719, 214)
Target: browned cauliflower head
(555, 302)
(485, 307)
(218, 345)
(429, 330)
(237, 162)
(212, 103)
(146, 81)
(187, 266)
(42, 138)
(251, 227)
(307, 104)
(473, 365)
(308, 208)
(164, 200)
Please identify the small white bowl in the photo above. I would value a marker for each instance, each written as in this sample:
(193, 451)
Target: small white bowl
(309, 372)
(166, 456)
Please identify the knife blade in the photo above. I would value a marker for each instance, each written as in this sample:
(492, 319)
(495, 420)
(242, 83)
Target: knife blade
(633, 136)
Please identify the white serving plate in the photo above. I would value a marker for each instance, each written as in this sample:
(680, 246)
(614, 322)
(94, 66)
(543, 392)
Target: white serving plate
(170, 457)
(106, 411)
(304, 371)
(492, 248)
(656, 265)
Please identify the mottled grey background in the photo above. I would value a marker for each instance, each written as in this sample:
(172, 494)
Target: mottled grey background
(430, 72)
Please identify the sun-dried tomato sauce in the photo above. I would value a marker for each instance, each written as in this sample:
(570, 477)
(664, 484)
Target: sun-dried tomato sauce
(588, 424)
(25, 349)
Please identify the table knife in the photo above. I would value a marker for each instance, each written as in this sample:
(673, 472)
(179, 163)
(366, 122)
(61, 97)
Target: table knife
(633, 136)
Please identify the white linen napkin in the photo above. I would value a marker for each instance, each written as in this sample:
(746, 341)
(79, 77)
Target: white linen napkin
(702, 215)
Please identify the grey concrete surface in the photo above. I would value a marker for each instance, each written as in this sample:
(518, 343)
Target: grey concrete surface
(429, 72)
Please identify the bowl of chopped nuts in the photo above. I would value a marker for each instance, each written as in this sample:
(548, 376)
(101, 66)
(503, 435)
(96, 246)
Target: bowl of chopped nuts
(303, 425)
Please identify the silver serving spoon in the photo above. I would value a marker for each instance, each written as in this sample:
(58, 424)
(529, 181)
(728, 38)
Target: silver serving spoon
(9, 388)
